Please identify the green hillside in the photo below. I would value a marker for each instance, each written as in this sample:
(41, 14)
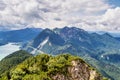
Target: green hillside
(12, 60)
(46, 67)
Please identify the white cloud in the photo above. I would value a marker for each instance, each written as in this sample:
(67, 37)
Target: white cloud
(110, 21)
(89, 14)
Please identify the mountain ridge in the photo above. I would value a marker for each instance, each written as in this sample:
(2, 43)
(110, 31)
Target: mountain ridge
(21, 35)
(47, 67)
(73, 36)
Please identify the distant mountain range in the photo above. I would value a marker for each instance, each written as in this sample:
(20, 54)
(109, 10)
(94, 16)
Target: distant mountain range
(100, 50)
(112, 33)
(21, 35)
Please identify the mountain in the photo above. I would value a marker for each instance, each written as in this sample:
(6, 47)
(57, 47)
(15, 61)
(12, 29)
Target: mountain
(47, 67)
(21, 35)
(118, 38)
(11, 41)
(114, 34)
(72, 40)
(98, 47)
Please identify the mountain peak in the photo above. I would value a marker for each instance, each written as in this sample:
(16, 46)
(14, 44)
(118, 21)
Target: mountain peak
(51, 37)
(107, 34)
(66, 28)
(72, 28)
(46, 67)
(48, 30)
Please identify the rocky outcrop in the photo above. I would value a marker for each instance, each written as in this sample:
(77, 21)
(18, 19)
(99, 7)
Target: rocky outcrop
(79, 71)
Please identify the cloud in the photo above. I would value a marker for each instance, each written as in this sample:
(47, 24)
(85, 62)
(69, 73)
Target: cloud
(2, 5)
(109, 21)
(89, 14)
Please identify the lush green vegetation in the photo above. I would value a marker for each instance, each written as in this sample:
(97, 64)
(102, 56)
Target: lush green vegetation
(12, 60)
(41, 67)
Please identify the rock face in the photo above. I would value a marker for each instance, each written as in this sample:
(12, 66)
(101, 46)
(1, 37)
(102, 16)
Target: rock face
(79, 71)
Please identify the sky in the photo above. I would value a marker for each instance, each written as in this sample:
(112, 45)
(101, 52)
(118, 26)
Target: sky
(92, 15)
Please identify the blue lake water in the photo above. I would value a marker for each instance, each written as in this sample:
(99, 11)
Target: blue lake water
(8, 49)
